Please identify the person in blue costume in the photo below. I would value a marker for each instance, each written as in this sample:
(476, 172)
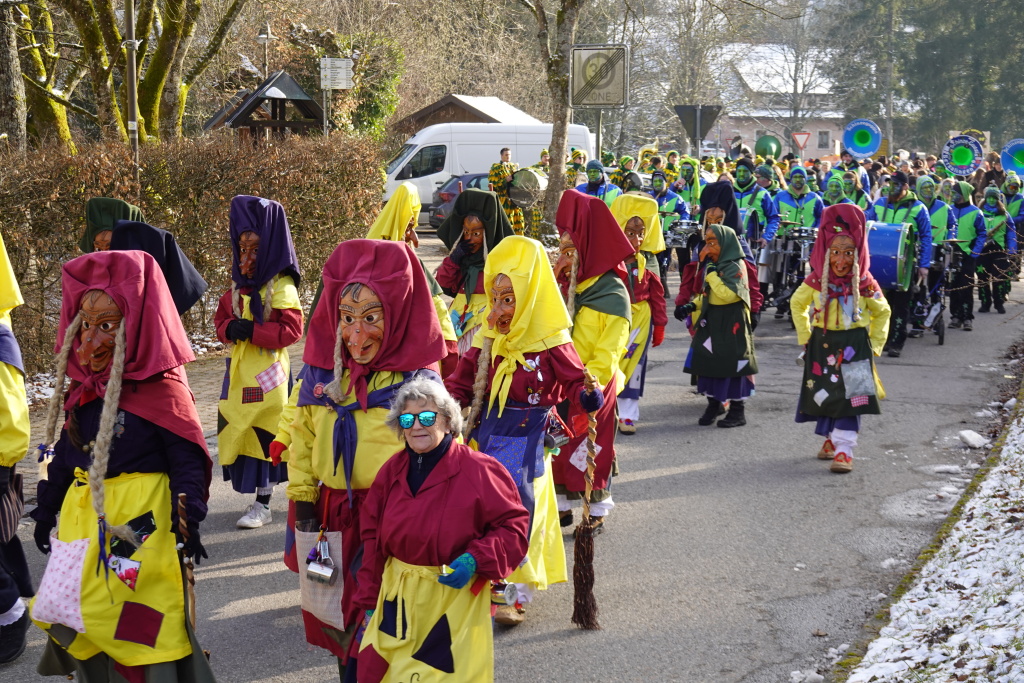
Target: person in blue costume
(995, 267)
(901, 205)
(671, 208)
(597, 184)
(1014, 201)
(797, 207)
(758, 213)
(969, 228)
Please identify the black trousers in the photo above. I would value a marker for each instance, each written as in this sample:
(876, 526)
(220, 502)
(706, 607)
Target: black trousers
(961, 294)
(994, 272)
(899, 302)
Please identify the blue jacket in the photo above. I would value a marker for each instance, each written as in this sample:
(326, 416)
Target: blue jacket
(606, 191)
(762, 214)
(805, 210)
(1010, 231)
(668, 204)
(961, 217)
(909, 210)
(865, 179)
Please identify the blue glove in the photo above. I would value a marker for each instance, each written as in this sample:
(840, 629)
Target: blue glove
(591, 402)
(463, 567)
(711, 267)
(460, 252)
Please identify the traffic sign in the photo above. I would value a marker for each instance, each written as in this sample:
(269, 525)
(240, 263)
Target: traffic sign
(599, 77)
(801, 138)
(335, 74)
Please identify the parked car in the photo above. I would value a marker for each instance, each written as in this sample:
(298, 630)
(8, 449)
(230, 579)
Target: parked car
(444, 196)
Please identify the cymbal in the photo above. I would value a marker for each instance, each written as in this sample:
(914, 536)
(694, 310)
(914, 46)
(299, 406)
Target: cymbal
(956, 241)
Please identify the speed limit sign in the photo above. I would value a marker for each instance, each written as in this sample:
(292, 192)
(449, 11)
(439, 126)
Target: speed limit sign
(599, 77)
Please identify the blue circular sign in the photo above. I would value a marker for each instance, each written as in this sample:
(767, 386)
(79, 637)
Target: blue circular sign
(962, 155)
(862, 138)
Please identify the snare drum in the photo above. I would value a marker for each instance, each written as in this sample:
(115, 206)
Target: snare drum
(527, 187)
(679, 233)
(891, 246)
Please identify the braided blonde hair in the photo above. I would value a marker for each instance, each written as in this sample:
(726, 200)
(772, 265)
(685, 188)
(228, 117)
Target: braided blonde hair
(57, 399)
(333, 388)
(268, 296)
(570, 304)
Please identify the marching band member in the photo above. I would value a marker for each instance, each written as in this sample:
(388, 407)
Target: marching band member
(938, 214)
(970, 231)
(995, 266)
(500, 179)
(597, 185)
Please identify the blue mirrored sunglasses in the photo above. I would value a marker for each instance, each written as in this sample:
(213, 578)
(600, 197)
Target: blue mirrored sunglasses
(426, 418)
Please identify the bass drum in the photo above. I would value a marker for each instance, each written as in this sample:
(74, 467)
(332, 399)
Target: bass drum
(891, 246)
(632, 182)
(527, 187)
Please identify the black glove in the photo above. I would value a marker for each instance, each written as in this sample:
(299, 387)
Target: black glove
(754, 320)
(240, 330)
(591, 402)
(193, 547)
(711, 267)
(42, 536)
(460, 252)
(684, 310)
(5, 479)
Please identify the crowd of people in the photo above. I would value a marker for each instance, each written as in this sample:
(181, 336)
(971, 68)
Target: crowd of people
(443, 426)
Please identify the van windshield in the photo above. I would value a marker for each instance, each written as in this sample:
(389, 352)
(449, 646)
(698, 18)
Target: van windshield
(400, 158)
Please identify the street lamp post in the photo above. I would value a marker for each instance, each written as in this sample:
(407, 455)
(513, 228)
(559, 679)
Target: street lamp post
(263, 38)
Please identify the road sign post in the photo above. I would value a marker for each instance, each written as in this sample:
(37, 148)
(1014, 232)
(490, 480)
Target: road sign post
(335, 74)
(801, 138)
(599, 77)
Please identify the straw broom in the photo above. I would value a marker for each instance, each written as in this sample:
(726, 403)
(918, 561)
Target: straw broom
(584, 608)
(190, 576)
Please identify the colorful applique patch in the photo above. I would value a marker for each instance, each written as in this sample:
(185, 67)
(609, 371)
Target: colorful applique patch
(272, 377)
(816, 369)
(318, 390)
(138, 623)
(125, 569)
(252, 395)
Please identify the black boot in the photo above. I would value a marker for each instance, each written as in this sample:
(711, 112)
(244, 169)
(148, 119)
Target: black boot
(713, 410)
(735, 417)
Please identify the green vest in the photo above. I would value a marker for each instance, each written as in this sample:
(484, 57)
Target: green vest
(752, 202)
(940, 224)
(802, 216)
(995, 225)
(1013, 205)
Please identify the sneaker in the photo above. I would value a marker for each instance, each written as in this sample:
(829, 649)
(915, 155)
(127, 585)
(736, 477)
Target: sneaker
(828, 450)
(955, 323)
(627, 427)
(915, 333)
(968, 326)
(12, 639)
(256, 515)
(510, 615)
(1000, 309)
(842, 463)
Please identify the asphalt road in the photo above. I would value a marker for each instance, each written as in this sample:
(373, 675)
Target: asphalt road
(726, 552)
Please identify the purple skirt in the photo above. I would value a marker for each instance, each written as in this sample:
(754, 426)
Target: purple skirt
(726, 388)
(824, 425)
(248, 474)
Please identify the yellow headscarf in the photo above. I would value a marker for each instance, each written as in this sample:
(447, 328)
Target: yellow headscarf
(625, 207)
(403, 206)
(10, 293)
(541, 320)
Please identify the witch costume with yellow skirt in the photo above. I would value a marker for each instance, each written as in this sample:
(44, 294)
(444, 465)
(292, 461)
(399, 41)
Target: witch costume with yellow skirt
(530, 364)
(647, 300)
(461, 272)
(112, 597)
(591, 275)
(842, 320)
(261, 316)
(356, 359)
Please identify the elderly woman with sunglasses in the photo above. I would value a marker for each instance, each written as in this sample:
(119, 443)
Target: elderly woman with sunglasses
(441, 522)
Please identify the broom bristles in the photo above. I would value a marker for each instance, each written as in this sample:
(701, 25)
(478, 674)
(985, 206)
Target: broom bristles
(584, 604)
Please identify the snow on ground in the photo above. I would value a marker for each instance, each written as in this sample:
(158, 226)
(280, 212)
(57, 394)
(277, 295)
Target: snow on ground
(963, 620)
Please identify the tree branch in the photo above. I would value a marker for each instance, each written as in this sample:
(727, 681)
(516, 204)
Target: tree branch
(60, 100)
(215, 43)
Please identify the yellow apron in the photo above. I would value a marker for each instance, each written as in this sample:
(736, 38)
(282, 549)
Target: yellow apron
(545, 558)
(135, 626)
(428, 632)
(639, 333)
(256, 386)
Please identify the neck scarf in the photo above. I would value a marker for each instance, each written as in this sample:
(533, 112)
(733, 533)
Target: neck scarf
(541, 320)
(731, 268)
(412, 333)
(102, 213)
(266, 218)
(184, 282)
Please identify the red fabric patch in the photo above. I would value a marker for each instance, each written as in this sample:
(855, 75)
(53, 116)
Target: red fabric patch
(735, 328)
(372, 667)
(132, 674)
(252, 395)
(858, 401)
(139, 623)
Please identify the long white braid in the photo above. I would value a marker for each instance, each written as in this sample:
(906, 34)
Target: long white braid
(57, 399)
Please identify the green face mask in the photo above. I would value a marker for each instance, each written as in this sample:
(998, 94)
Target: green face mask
(849, 187)
(956, 196)
(834, 190)
(742, 176)
(798, 181)
(687, 172)
(991, 201)
(926, 191)
(594, 176)
(658, 184)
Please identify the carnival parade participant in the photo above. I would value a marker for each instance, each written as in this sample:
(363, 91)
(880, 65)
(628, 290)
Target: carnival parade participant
(374, 329)
(1014, 201)
(261, 317)
(101, 213)
(591, 275)
(535, 221)
(576, 169)
(638, 218)
(901, 205)
(758, 213)
(689, 184)
(841, 321)
(970, 231)
(848, 163)
(938, 214)
(672, 166)
(835, 192)
(185, 283)
(995, 267)
(797, 207)
(500, 179)
(132, 442)
(15, 580)
(522, 365)
(618, 177)
(441, 521)
(854, 192)
(671, 208)
(722, 349)
(475, 226)
(597, 185)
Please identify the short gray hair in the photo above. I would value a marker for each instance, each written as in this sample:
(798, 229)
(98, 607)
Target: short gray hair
(424, 389)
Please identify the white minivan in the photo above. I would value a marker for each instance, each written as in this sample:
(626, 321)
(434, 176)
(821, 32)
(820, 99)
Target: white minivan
(441, 151)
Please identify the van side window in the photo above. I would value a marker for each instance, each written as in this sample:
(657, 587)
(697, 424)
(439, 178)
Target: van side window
(427, 161)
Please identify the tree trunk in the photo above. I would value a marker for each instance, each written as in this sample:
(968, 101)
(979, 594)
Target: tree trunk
(12, 90)
(49, 117)
(152, 86)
